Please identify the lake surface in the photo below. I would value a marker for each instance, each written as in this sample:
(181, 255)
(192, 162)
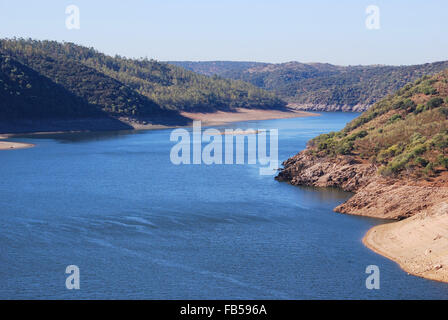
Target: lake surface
(139, 227)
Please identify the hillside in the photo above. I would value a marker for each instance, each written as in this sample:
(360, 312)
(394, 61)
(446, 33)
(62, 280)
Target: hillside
(394, 157)
(168, 86)
(26, 93)
(319, 86)
(46, 81)
(31, 102)
(404, 134)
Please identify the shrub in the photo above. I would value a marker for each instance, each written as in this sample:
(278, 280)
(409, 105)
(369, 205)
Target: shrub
(434, 103)
(399, 163)
(419, 108)
(429, 90)
(345, 148)
(417, 150)
(443, 161)
(417, 138)
(440, 141)
(429, 169)
(357, 135)
(407, 104)
(394, 118)
(389, 152)
(421, 162)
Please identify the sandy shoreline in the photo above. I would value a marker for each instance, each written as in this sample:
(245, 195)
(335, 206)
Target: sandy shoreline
(418, 244)
(417, 240)
(208, 119)
(8, 145)
(221, 117)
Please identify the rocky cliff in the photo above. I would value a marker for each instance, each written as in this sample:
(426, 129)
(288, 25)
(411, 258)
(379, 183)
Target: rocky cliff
(374, 195)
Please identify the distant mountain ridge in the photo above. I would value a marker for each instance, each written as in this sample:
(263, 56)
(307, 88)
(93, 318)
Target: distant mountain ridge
(320, 86)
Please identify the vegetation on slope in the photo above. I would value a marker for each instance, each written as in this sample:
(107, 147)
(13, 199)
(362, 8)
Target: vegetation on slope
(404, 134)
(318, 84)
(134, 87)
(24, 93)
(94, 89)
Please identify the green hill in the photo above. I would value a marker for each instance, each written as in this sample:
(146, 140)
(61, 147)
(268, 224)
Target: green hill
(134, 87)
(404, 134)
(24, 93)
(31, 102)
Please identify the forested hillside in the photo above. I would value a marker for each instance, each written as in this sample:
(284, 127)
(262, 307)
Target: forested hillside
(134, 87)
(404, 134)
(24, 93)
(317, 86)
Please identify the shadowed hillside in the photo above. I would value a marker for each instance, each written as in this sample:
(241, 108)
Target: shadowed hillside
(170, 87)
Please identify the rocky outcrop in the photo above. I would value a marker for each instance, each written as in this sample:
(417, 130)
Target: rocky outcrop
(344, 172)
(329, 107)
(375, 196)
(388, 199)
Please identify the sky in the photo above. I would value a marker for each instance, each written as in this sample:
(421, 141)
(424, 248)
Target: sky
(330, 31)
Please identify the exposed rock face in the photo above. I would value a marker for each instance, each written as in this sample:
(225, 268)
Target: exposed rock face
(375, 196)
(389, 199)
(344, 172)
(329, 107)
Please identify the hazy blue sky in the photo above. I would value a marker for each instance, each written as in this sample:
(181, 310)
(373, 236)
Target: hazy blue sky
(334, 31)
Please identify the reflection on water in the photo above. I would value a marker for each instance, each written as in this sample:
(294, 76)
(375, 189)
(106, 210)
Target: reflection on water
(80, 136)
(314, 194)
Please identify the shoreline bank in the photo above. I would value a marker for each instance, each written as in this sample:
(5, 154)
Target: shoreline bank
(9, 145)
(417, 241)
(223, 117)
(208, 119)
(417, 244)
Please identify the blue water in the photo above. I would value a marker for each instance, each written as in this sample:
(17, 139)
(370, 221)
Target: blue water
(140, 227)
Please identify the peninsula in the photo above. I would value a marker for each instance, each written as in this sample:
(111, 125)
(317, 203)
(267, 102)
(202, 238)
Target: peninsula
(394, 157)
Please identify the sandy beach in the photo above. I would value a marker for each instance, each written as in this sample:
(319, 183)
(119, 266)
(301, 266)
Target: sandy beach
(8, 145)
(221, 117)
(418, 244)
